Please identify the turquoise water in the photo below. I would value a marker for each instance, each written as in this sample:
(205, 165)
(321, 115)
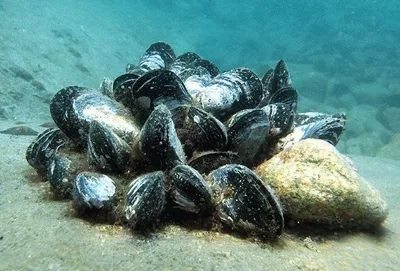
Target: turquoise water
(343, 55)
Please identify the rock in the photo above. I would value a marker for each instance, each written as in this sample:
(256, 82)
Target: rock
(391, 118)
(363, 119)
(347, 101)
(319, 185)
(370, 93)
(354, 147)
(391, 150)
(312, 85)
(336, 87)
(367, 144)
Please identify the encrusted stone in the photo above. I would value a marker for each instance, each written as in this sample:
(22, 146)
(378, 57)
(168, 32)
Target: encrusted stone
(317, 184)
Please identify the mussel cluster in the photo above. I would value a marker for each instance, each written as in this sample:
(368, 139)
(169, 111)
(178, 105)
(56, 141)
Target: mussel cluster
(174, 133)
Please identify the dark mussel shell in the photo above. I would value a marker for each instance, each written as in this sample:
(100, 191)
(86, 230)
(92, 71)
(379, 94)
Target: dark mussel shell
(145, 200)
(281, 77)
(122, 88)
(273, 81)
(208, 65)
(158, 87)
(329, 129)
(226, 93)
(158, 142)
(199, 130)
(267, 80)
(187, 58)
(267, 85)
(94, 191)
(106, 150)
(281, 119)
(206, 162)
(245, 203)
(183, 64)
(286, 95)
(44, 147)
(73, 108)
(158, 56)
(189, 64)
(310, 117)
(247, 132)
(61, 175)
(188, 190)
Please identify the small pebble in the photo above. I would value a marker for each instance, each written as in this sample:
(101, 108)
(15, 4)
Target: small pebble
(20, 130)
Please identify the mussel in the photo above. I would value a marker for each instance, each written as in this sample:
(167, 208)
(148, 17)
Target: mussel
(145, 200)
(245, 203)
(226, 93)
(189, 64)
(158, 142)
(199, 131)
(61, 175)
(205, 162)
(106, 150)
(92, 190)
(44, 147)
(248, 130)
(158, 56)
(188, 190)
(157, 87)
(325, 127)
(73, 108)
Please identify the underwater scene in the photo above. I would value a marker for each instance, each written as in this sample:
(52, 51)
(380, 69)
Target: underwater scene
(204, 135)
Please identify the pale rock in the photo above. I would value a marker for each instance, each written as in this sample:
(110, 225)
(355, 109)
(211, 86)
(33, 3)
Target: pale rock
(317, 184)
(392, 149)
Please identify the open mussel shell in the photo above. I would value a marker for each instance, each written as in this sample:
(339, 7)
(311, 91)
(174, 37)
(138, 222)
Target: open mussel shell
(247, 132)
(281, 119)
(244, 203)
(92, 190)
(73, 108)
(158, 142)
(158, 87)
(145, 200)
(122, 88)
(199, 130)
(188, 190)
(44, 147)
(206, 162)
(106, 150)
(61, 175)
(158, 56)
(226, 93)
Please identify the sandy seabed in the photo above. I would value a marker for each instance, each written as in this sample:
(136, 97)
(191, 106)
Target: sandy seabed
(40, 233)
